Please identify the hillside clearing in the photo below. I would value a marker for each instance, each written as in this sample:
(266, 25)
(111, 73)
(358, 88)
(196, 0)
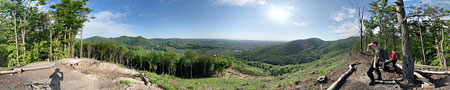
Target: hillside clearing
(88, 75)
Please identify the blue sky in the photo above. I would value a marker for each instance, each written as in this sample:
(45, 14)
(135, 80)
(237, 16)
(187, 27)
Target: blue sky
(280, 20)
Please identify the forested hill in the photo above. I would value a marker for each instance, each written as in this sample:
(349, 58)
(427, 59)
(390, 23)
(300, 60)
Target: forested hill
(202, 46)
(299, 51)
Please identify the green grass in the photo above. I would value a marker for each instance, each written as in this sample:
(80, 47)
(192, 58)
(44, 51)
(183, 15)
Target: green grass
(127, 82)
(323, 66)
(249, 70)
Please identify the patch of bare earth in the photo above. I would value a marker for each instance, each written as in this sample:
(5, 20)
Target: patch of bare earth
(359, 79)
(87, 75)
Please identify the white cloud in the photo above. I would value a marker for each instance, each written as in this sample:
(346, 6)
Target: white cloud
(238, 2)
(344, 13)
(43, 8)
(300, 23)
(348, 28)
(376, 30)
(425, 1)
(168, 1)
(106, 24)
(290, 7)
(440, 3)
(446, 18)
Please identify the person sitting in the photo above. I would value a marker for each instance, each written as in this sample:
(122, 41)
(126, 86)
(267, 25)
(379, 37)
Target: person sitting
(393, 59)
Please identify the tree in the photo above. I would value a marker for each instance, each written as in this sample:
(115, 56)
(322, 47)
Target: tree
(408, 62)
(49, 23)
(360, 6)
(83, 15)
(70, 15)
(190, 56)
(437, 29)
(172, 58)
(14, 13)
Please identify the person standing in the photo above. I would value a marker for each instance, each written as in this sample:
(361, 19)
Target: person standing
(379, 56)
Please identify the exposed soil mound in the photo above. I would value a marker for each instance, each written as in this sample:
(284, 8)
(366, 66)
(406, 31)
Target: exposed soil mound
(87, 75)
(359, 80)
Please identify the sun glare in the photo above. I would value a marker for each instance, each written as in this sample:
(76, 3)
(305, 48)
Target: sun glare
(279, 14)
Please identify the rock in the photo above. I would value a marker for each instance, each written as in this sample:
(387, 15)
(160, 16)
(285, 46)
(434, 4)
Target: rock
(297, 82)
(322, 79)
(313, 72)
(143, 78)
(35, 85)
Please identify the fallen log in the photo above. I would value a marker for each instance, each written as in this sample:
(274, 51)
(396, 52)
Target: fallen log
(16, 70)
(434, 72)
(426, 82)
(340, 80)
(36, 68)
(19, 70)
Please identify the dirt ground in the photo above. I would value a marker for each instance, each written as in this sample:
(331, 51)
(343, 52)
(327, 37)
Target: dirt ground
(359, 80)
(88, 75)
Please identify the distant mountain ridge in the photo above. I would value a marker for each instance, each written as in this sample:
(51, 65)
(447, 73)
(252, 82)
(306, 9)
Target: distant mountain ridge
(203, 46)
(298, 51)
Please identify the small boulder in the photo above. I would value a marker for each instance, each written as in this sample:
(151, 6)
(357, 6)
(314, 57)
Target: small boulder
(322, 79)
(313, 72)
(297, 82)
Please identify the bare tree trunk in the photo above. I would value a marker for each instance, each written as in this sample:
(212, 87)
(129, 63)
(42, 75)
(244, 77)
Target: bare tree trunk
(393, 40)
(360, 16)
(51, 37)
(56, 57)
(408, 62)
(110, 57)
(81, 43)
(65, 45)
(71, 44)
(15, 35)
(89, 49)
(443, 49)
(204, 68)
(24, 32)
(381, 31)
(436, 41)
(423, 49)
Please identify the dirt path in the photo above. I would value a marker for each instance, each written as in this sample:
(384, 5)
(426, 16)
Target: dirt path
(88, 75)
(359, 79)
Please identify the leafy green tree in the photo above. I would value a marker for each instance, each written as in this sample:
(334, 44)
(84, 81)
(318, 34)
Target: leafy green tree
(190, 58)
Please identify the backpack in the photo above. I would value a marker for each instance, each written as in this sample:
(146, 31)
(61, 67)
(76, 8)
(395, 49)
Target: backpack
(383, 53)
